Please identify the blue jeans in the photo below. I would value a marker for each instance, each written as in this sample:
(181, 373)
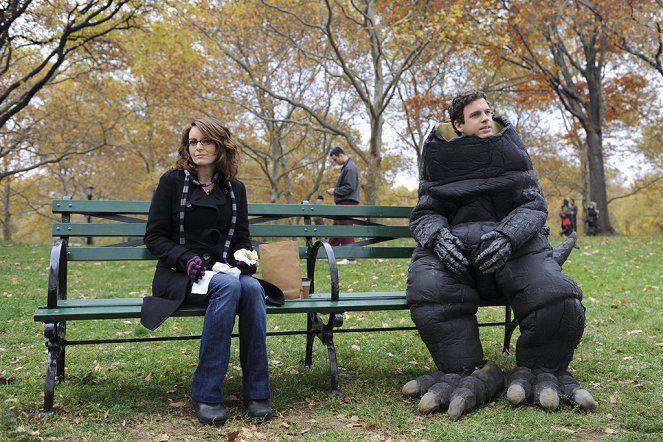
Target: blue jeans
(229, 296)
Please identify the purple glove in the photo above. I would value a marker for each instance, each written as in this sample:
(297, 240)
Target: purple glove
(246, 269)
(194, 268)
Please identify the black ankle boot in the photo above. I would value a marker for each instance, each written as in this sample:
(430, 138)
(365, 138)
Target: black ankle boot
(210, 414)
(259, 410)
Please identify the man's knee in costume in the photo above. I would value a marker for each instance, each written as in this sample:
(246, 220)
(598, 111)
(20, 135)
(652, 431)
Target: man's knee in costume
(550, 334)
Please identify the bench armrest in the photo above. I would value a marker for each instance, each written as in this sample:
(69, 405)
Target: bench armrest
(57, 273)
(333, 269)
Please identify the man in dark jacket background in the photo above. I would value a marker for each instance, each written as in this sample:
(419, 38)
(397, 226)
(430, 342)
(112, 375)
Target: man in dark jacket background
(480, 230)
(346, 192)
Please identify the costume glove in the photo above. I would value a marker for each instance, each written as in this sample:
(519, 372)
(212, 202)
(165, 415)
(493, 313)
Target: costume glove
(195, 268)
(496, 254)
(246, 269)
(448, 248)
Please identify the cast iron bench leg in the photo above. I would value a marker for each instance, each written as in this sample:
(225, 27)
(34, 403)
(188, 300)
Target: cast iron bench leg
(53, 332)
(312, 328)
(62, 332)
(509, 328)
(327, 336)
(328, 339)
(315, 327)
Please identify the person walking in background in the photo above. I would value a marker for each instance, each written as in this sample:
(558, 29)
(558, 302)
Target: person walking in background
(199, 216)
(592, 219)
(566, 218)
(345, 193)
(574, 214)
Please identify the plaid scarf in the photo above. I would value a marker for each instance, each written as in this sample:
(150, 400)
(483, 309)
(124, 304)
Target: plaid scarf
(188, 179)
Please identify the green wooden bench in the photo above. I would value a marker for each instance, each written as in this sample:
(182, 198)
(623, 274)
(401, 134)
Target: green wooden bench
(380, 232)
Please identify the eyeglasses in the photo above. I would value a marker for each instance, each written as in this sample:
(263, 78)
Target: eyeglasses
(205, 142)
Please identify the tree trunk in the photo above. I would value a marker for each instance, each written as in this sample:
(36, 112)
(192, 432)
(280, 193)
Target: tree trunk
(7, 230)
(597, 188)
(373, 163)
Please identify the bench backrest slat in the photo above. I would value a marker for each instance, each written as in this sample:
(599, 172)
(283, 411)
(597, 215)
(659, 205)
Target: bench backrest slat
(374, 227)
(255, 209)
(257, 230)
(142, 254)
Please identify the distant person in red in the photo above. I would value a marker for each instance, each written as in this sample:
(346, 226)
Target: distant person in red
(566, 218)
(345, 193)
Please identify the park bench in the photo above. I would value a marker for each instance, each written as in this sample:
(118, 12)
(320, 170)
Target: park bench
(381, 232)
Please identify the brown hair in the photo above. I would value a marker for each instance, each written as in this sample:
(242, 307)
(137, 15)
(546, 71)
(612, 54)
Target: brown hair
(227, 162)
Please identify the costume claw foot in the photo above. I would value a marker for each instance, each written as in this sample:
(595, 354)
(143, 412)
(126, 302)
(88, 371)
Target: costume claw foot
(572, 392)
(438, 395)
(417, 387)
(455, 393)
(476, 389)
(520, 386)
(546, 389)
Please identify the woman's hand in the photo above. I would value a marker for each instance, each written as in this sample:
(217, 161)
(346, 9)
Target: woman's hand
(195, 268)
(246, 269)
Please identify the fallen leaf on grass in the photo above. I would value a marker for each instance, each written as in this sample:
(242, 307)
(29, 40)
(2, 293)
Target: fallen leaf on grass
(6, 379)
(162, 438)
(178, 404)
(610, 431)
(231, 436)
(632, 332)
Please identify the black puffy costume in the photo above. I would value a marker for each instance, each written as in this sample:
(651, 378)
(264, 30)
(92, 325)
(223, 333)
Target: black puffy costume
(472, 186)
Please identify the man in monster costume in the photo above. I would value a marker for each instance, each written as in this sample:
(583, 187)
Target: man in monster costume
(480, 230)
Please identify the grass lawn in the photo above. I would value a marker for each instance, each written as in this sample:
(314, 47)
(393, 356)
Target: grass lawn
(140, 392)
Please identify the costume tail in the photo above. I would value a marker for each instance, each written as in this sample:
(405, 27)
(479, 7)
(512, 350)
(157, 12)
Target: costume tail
(563, 250)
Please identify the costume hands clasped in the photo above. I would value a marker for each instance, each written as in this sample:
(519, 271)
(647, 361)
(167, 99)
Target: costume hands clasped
(195, 268)
(496, 254)
(449, 249)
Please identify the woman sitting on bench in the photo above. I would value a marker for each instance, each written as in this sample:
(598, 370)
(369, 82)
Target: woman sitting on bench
(199, 216)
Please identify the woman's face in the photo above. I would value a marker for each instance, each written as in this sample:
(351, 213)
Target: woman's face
(201, 149)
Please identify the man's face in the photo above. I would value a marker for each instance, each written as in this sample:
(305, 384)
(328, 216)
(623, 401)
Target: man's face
(338, 159)
(478, 119)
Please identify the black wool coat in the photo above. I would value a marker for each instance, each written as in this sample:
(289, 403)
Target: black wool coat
(206, 223)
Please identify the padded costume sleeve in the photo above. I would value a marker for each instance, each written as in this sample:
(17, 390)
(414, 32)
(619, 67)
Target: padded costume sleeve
(426, 222)
(522, 223)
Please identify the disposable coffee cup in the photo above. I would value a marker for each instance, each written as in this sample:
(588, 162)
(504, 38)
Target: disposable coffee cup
(306, 287)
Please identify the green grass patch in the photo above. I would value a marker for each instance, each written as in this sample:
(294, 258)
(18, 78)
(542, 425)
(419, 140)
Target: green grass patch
(140, 392)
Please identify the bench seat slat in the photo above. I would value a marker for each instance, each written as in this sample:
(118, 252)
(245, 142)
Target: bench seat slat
(82, 303)
(367, 297)
(291, 306)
